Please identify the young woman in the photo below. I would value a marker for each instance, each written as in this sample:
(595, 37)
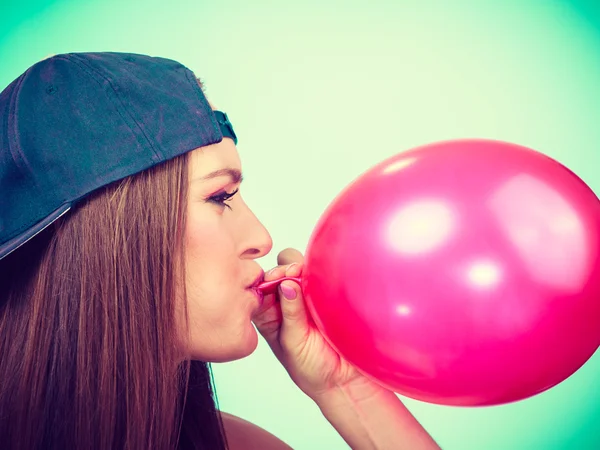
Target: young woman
(127, 266)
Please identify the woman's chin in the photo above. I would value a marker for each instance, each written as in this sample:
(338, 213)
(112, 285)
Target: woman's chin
(234, 350)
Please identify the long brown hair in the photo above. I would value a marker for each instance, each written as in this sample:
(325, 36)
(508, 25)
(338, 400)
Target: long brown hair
(88, 328)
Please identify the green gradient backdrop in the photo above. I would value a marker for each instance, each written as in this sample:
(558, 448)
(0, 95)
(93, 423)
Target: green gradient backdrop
(318, 92)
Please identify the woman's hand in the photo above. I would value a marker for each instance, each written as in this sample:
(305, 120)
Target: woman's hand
(367, 416)
(286, 325)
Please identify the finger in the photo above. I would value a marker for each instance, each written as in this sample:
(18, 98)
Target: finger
(285, 260)
(270, 286)
(289, 256)
(279, 273)
(275, 273)
(295, 324)
(268, 318)
(294, 270)
(268, 323)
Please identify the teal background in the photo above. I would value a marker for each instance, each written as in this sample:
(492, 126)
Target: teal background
(320, 91)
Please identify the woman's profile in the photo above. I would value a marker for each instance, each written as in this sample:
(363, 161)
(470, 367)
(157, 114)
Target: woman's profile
(128, 265)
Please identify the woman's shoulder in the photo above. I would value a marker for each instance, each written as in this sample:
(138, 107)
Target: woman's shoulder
(244, 435)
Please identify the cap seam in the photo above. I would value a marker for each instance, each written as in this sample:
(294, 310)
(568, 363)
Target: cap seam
(191, 77)
(18, 157)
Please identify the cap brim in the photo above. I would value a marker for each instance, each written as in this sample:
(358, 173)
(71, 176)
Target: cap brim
(8, 247)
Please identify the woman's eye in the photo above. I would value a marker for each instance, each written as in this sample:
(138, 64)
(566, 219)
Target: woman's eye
(222, 198)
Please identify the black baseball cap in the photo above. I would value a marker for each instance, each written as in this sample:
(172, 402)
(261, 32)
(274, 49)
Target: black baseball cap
(76, 122)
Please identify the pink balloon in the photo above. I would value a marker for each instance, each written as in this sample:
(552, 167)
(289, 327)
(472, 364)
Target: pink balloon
(460, 273)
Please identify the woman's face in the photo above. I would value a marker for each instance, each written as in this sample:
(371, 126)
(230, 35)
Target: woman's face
(222, 240)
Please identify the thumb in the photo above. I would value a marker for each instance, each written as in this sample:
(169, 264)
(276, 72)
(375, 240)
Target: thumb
(295, 325)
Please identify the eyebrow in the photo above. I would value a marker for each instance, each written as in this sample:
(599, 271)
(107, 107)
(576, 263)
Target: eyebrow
(235, 175)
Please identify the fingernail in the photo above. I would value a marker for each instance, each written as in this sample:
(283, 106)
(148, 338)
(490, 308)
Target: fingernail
(290, 266)
(270, 272)
(288, 292)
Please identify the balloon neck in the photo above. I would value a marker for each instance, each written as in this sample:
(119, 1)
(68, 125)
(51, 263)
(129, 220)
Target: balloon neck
(269, 287)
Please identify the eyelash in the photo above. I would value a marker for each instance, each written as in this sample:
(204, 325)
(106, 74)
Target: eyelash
(222, 198)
